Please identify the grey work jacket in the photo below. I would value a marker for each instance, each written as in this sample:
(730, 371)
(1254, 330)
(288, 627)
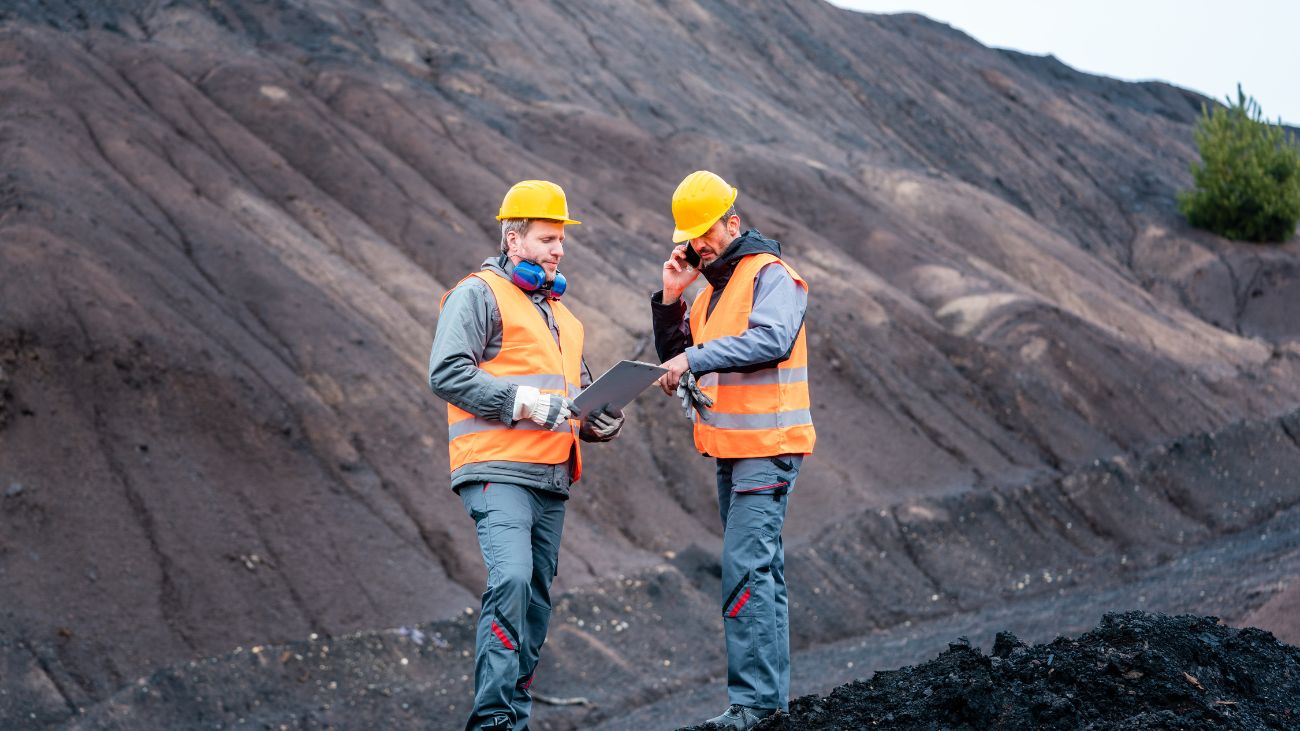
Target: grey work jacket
(469, 333)
(774, 322)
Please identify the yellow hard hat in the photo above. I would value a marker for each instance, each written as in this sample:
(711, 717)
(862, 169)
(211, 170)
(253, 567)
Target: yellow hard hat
(700, 200)
(535, 199)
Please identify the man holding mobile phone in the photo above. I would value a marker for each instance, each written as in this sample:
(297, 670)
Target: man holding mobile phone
(742, 344)
(507, 359)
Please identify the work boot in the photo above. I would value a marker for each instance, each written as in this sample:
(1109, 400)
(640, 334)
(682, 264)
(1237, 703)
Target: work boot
(741, 717)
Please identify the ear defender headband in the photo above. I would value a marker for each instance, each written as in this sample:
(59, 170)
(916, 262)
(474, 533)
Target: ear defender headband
(530, 277)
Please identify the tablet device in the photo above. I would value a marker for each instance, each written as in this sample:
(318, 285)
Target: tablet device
(618, 386)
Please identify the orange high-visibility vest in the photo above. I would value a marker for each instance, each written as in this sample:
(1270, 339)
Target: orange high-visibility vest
(760, 414)
(529, 356)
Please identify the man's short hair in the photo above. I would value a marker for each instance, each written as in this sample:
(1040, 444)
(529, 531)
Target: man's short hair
(730, 212)
(518, 225)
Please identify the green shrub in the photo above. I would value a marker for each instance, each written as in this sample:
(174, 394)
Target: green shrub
(1247, 184)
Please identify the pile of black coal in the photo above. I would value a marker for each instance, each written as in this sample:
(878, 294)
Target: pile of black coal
(1134, 671)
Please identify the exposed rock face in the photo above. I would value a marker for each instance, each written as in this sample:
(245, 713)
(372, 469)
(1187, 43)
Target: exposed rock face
(227, 224)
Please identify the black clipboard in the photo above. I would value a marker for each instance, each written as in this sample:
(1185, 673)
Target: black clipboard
(618, 386)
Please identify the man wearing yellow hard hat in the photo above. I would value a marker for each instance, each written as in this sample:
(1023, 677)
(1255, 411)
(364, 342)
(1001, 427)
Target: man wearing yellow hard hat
(507, 358)
(738, 358)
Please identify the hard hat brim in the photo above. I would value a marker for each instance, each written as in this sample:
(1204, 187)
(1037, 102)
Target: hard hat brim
(686, 234)
(566, 221)
(679, 235)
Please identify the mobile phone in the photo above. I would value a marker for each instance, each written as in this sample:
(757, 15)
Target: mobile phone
(692, 258)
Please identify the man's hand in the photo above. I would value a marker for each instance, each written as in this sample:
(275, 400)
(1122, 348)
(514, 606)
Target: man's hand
(677, 276)
(547, 410)
(676, 365)
(604, 423)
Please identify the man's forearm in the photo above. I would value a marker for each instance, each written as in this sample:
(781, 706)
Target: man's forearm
(468, 387)
(671, 327)
(464, 329)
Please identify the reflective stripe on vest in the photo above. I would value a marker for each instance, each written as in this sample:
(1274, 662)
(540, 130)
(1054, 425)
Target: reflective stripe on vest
(529, 356)
(760, 414)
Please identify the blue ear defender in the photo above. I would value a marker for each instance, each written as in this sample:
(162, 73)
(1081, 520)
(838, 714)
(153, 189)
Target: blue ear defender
(558, 285)
(530, 277)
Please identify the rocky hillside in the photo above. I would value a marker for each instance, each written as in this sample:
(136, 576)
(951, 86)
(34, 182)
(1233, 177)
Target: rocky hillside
(226, 226)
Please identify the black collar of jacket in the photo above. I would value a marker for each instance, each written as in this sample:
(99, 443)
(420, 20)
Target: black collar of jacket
(750, 242)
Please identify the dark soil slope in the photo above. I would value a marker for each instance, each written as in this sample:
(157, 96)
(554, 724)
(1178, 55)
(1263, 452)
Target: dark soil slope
(1134, 671)
(225, 226)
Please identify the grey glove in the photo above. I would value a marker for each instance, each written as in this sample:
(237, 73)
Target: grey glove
(692, 397)
(604, 424)
(561, 409)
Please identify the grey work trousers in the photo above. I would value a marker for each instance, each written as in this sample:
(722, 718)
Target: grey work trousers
(752, 498)
(519, 534)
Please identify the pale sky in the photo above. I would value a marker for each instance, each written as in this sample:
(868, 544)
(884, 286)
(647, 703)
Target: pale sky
(1204, 46)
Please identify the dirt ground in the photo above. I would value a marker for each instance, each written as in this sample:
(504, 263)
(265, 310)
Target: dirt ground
(1230, 578)
(1134, 671)
(630, 651)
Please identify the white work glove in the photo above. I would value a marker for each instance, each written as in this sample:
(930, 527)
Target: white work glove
(604, 424)
(547, 410)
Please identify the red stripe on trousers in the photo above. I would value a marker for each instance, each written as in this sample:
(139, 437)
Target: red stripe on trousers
(764, 487)
(506, 640)
(739, 603)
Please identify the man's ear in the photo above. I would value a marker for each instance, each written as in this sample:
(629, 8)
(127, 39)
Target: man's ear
(733, 226)
(512, 241)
